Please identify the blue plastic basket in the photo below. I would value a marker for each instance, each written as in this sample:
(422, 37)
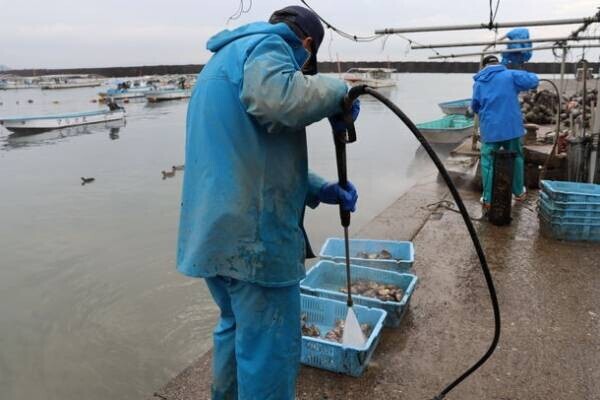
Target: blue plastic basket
(332, 356)
(326, 278)
(572, 191)
(570, 205)
(576, 216)
(403, 253)
(563, 229)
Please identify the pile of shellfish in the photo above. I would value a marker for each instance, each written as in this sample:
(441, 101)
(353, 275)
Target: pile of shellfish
(380, 255)
(380, 291)
(335, 334)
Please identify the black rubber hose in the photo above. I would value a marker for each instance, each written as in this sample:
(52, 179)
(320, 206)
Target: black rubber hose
(361, 89)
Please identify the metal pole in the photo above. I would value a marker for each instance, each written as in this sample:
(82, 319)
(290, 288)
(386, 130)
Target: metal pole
(497, 25)
(584, 95)
(562, 70)
(595, 136)
(498, 51)
(467, 44)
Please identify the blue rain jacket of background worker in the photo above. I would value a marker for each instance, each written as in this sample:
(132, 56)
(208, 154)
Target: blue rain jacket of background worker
(246, 176)
(495, 99)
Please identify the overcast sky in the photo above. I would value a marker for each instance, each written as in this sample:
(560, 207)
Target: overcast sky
(83, 33)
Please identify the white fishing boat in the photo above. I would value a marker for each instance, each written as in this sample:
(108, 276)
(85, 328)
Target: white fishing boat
(42, 123)
(68, 85)
(374, 77)
(69, 81)
(18, 83)
(165, 94)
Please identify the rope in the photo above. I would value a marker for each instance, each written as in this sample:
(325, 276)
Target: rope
(346, 35)
(241, 10)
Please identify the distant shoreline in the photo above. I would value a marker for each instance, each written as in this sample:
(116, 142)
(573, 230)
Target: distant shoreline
(400, 66)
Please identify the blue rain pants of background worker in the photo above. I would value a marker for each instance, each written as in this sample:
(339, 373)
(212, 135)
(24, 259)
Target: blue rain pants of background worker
(487, 166)
(260, 328)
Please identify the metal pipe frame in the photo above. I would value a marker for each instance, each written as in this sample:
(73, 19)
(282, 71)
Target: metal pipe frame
(467, 44)
(497, 25)
(498, 51)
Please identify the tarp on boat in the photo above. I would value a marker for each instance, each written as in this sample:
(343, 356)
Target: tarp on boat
(517, 58)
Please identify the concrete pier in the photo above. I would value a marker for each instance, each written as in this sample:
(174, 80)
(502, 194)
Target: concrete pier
(548, 294)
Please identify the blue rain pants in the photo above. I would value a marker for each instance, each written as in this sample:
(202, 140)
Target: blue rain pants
(487, 166)
(257, 340)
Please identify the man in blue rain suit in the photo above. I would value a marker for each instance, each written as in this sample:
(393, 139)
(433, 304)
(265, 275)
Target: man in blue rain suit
(245, 189)
(495, 99)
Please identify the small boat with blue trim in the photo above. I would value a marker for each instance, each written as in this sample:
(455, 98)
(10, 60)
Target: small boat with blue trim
(448, 129)
(126, 90)
(455, 106)
(43, 123)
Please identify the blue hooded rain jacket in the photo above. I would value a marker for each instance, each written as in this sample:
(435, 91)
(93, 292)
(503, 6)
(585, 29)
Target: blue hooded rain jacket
(246, 179)
(495, 99)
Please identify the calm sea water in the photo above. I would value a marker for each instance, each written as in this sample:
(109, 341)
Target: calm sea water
(91, 306)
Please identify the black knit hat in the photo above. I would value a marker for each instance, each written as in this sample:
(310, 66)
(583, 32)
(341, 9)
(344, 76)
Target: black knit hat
(491, 59)
(305, 23)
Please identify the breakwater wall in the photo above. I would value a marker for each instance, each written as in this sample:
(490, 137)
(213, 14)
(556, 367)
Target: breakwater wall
(400, 66)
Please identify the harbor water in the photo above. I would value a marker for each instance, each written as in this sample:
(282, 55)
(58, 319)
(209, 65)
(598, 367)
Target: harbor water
(91, 306)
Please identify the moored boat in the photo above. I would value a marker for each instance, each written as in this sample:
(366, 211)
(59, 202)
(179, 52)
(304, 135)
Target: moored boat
(159, 95)
(42, 123)
(69, 81)
(69, 85)
(448, 129)
(455, 106)
(8, 83)
(127, 90)
(374, 77)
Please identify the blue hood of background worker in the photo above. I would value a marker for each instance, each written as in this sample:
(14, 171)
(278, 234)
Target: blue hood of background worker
(246, 181)
(520, 57)
(495, 99)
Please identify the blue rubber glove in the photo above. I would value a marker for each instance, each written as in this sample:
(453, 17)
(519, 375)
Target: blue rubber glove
(337, 120)
(334, 193)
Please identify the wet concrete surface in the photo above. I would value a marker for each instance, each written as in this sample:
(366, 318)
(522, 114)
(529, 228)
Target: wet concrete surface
(548, 294)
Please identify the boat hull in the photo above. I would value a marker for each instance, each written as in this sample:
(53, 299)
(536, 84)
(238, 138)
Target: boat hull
(455, 107)
(166, 96)
(52, 86)
(35, 125)
(439, 136)
(371, 83)
(123, 95)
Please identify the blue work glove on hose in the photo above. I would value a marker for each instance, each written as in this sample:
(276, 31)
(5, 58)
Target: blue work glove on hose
(334, 193)
(337, 120)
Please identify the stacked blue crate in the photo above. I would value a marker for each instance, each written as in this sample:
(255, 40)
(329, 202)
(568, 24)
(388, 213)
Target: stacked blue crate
(570, 210)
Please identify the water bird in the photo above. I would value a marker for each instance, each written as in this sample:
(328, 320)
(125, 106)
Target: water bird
(30, 101)
(55, 102)
(168, 174)
(178, 167)
(87, 180)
